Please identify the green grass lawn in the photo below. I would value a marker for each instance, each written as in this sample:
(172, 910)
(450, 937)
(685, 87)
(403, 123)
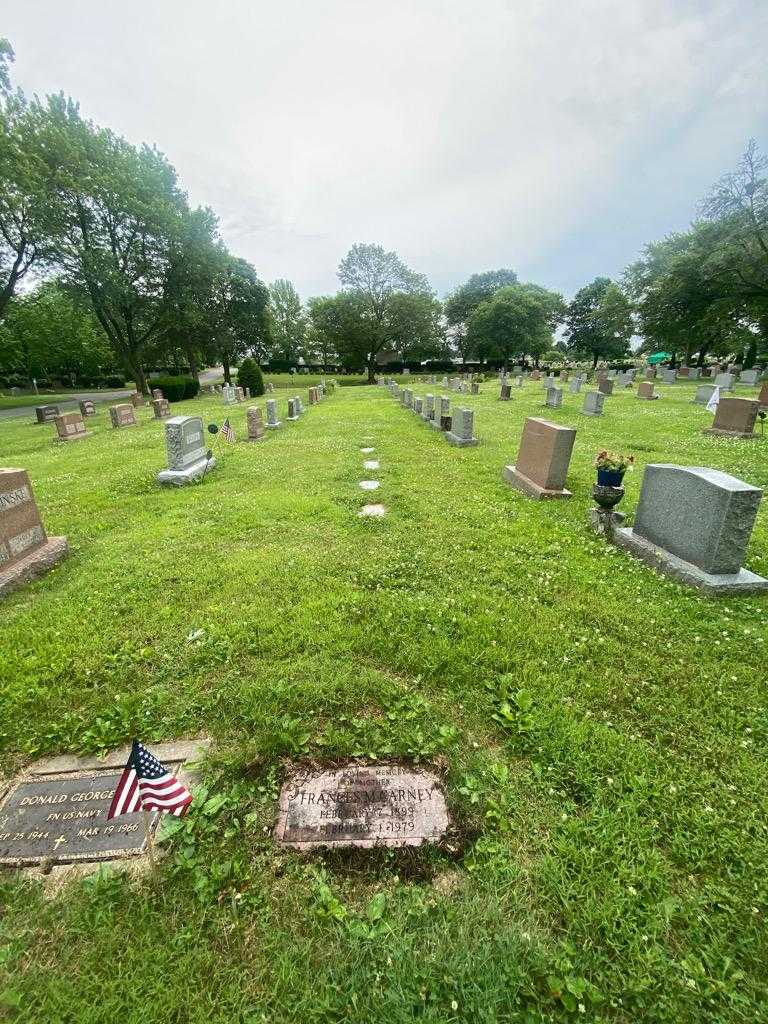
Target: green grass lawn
(602, 730)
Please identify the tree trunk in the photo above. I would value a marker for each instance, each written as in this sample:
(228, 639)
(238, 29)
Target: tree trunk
(702, 354)
(135, 369)
(191, 355)
(372, 369)
(596, 356)
(225, 364)
(751, 354)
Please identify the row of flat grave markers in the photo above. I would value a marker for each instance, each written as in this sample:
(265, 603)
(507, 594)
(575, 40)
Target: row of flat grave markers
(456, 427)
(703, 544)
(56, 813)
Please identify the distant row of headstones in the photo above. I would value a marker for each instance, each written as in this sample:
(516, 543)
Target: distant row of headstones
(25, 549)
(692, 523)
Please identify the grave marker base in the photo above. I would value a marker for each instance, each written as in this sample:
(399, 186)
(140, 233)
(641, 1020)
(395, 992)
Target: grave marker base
(460, 442)
(717, 432)
(714, 584)
(33, 565)
(522, 483)
(180, 477)
(74, 437)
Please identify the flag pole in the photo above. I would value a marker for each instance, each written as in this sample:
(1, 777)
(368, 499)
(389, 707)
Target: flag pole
(150, 841)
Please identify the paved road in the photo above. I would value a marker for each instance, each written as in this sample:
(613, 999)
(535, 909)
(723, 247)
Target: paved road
(70, 402)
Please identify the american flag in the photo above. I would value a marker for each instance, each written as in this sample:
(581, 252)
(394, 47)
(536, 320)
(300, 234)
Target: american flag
(227, 432)
(147, 784)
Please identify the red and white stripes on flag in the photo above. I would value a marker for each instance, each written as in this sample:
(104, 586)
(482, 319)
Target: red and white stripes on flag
(227, 432)
(146, 784)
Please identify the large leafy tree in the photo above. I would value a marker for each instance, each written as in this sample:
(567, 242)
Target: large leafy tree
(52, 333)
(461, 303)
(24, 197)
(598, 321)
(516, 321)
(395, 308)
(239, 315)
(288, 320)
(117, 210)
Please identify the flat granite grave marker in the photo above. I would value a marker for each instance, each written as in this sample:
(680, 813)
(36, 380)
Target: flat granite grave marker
(26, 551)
(60, 816)
(70, 427)
(694, 523)
(735, 417)
(364, 806)
(46, 413)
(122, 416)
(541, 467)
(187, 460)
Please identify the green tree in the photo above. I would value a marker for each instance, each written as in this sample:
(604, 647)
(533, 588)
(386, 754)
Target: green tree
(239, 314)
(381, 286)
(52, 333)
(594, 329)
(461, 303)
(116, 210)
(249, 376)
(516, 321)
(288, 320)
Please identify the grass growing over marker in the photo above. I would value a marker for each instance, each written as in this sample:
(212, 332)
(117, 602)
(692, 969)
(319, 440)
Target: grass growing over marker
(602, 730)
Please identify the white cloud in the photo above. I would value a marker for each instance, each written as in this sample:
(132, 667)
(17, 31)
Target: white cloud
(464, 136)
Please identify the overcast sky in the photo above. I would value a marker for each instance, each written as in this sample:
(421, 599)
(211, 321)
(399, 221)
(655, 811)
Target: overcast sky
(555, 138)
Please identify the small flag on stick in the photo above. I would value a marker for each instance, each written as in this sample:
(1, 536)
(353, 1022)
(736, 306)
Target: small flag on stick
(146, 784)
(714, 401)
(227, 432)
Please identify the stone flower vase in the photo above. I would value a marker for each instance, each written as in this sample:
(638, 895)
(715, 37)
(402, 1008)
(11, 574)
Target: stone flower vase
(607, 496)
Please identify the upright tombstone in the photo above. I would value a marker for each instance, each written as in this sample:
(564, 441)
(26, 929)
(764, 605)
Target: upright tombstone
(122, 415)
(187, 456)
(313, 396)
(25, 549)
(87, 408)
(519, 381)
(541, 467)
(694, 373)
(137, 400)
(428, 408)
(299, 405)
(650, 373)
(669, 376)
(645, 390)
(694, 523)
(749, 377)
(461, 434)
(273, 423)
(70, 427)
(535, 375)
(442, 420)
(229, 393)
(762, 398)
(684, 371)
(240, 394)
(554, 398)
(293, 414)
(593, 403)
(505, 394)
(475, 388)
(408, 398)
(157, 393)
(735, 417)
(161, 407)
(724, 381)
(256, 430)
(47, 413)
(605, 386)
(418, 403)
(574, 386)
(703, 394)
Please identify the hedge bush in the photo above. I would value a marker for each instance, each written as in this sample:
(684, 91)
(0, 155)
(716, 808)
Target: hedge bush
(249, 376)
(176, 389)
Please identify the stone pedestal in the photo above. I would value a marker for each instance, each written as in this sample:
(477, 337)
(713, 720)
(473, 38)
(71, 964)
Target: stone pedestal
(541, 467)
(605, 521)
(735, 417)
(26, 551)
(694, 524)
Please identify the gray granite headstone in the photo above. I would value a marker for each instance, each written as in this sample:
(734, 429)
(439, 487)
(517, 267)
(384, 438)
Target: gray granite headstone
(461, 434)
(554, 397)
(185, 446)
(593, 403)
(272, 421)
(695, 523)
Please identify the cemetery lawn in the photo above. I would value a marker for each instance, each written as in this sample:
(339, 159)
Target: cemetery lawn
(602, 731)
